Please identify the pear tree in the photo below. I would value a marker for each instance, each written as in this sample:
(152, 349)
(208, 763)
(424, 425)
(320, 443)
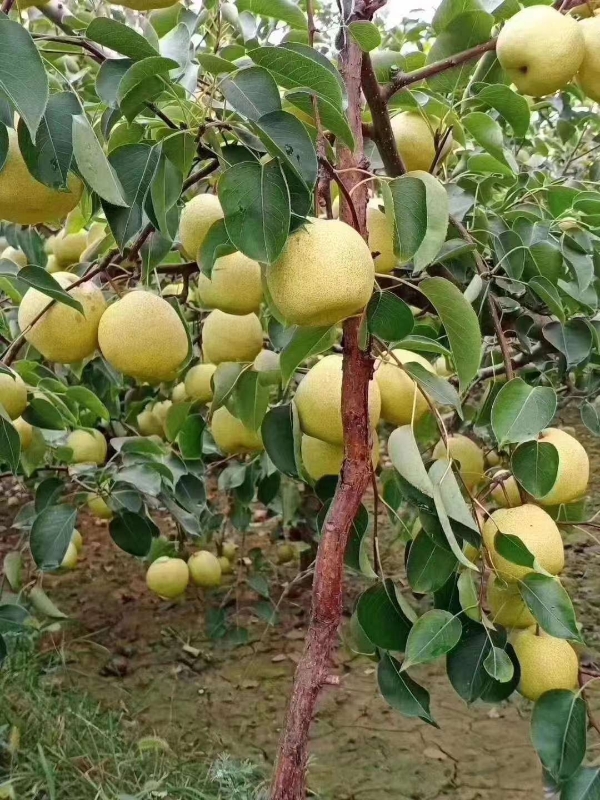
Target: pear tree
(348, 268)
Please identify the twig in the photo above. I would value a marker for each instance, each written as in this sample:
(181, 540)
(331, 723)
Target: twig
(199, 174)
(381, 132)
(347, 196)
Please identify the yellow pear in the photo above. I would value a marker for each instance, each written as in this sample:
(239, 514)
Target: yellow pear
(52, 265)
(540, 49)
(381, 237)
(179, 395)
(142, 336)
(168, 577)
(506, 492)
(319, 401)
(18, 257)
(573, 468)
(324, 274)
(197, 216)
(507, 607)
(77, 540)
(63, 334)
(68, 247)
(13, 394)
(99, 507)
(400, 395)
(547, 663)
(235, 285)
(492, 459)
(588, 76)
(413, 133)
(89, 447)
(231, 337)
(205, 569)
(322, 458)
(467, 453)
(70, 557)
(148, 424)
(160, 411)
(198, 382)
(231, 435)
(226, 565)
(25, 200)
(538, 532)
(25, 431)
(266, 361)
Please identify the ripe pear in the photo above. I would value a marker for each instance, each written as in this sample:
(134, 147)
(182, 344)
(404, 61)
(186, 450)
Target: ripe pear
(319, 401)
(231, 337)
(547, 663)
(506, 493)
(588, 76)
(229, 550)
(89, 447)
(99, 507)
(226, 565)
(414, 139)
(322, 458)
(25, 200)
(267, 361)
(70, 557)
(52, 265)
(538, 532)
(324, 274)
(13, 394)
(168, 577)
(232, 436)
(197, 216)
(198, 382)
(467, 453)
(18, 257)
(160, 411)
(179, 395)
(381, 237)
(25, 431)
(148, 424)
(63, 334)
(68, 247)
(492, 459)
(235, 285)
(540, 49)
(205, 569)
(400, 395)
(77, 540)
(142, 336)
(573, 468)
(507, 607)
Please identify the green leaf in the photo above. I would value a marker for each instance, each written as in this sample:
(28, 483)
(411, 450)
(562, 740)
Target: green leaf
(286, 138)
(590, 417)
(215, 244)
(23, 78)
(573, 339)
(13, 618)
(558, 732)
(43, 605)
(252, 92)
(256, 205)
(119, 37)
(175, 419)
(429, 565)
(141, 81)
(548, 293)
(165, 191)
(440, 474)
(550, 604)
(402, 692)
(133, 533)
(281, 437)
(330, 117)
(498, 665)
(520, 412)
(513, 549)
(421, 213)
(190, 493)
(215, 64)
(42, 414)
(93, 164)
(284, 10)
(433, 635)
(389, 317)
(109, 77)
(488, 134)
(135, 166)
(461, 325)
(48, 493)
(584, 785)
(535, 466)
(404, 454)
(45, 283)
(365, 34)
(462, 31)
(224, 380)
(437, 388)
(466, 666)
(356, 556)
(10, 445)
(190, 437)
(382, 618)
(304, 343)
(510, 105)
(251, 399)
(51, 535)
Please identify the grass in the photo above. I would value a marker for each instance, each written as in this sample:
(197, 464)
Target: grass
(57, 744)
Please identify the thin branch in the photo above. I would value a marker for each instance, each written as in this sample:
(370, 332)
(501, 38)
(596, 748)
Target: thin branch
(7, 6)
(199, 174)
(330, 169)
(381, 132)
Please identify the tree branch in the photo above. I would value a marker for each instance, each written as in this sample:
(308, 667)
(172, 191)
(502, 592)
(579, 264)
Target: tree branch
(381, 132)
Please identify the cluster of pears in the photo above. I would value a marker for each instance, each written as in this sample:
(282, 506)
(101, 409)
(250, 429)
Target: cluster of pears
(546, 662)
(168, 577)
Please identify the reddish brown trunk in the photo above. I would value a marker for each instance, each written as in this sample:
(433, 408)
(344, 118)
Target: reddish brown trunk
(289, 782)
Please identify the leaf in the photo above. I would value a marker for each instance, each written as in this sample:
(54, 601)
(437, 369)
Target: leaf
(508, 103)
(252, 92)
(535, 466)
(51, 535)
(460, 32)
(133, 533)
(389, 317)
(404, 454)
(382, 618)
(584, 785)
(437, 388)
(215, 244)
(135, 166)
(13, 618)
(466, 666)
(590, 417)
(165, 191)
(433, 635)
(365, 34)
(548, 293)
(521, 412)
(190, 437)
(48, 493)
(330, 117)
(401, 692)
(488, 134)
(251, 399)
(461, 325)
(43, 605)
(286, 138)
(304, 343)
(573, 339)
(93, 164)
(23, 78)
(215, 64)
(119, 37)
(421, 212)
(46, 284)
(280, 432)
(42, 414)
(498, 665)
(356, 556)
(142, 80)
(284, 10)
(550, 604)
(513, 549)
(558, 732)
(439, 473)
(10, 445)
(256, 205)
(429, 565)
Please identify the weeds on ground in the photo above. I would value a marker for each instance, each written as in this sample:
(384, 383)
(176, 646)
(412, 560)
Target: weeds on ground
(57, 744)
